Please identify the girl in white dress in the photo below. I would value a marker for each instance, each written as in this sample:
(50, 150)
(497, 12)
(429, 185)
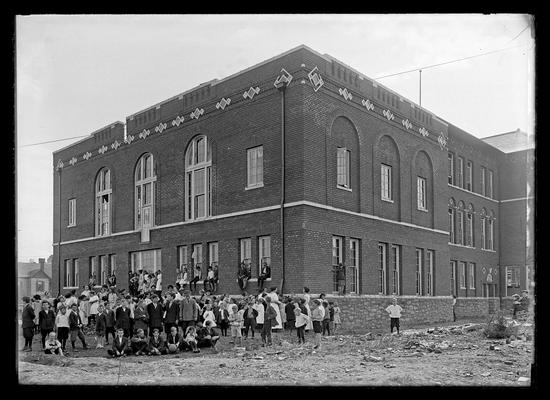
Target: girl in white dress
(275, 301)
(307, 297)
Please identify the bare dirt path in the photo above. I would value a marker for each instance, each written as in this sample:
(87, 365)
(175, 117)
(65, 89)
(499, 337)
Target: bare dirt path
(442, 357)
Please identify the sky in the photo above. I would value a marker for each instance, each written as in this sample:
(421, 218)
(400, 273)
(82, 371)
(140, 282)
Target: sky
(78, 73)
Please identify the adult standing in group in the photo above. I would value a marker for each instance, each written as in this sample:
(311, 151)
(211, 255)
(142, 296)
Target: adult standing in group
(46, 321)
(27, 323)
(188, 311)
(122, 318)
(307, 299)
(276, 304)
(155, 311)
(141, 317)
(172, 311)
(94, 304)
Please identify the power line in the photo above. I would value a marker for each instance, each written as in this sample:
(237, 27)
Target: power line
(52, 141)
(448, 62)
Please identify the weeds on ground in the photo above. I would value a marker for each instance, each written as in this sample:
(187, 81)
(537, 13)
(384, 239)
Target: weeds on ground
(497, 327)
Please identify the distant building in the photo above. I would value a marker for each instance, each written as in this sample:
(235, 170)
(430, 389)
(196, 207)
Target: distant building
(33, 278)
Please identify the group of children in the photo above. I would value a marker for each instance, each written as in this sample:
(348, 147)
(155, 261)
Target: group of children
(172, 322)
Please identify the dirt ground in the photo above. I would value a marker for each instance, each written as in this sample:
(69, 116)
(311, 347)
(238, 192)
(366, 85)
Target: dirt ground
(443, 355)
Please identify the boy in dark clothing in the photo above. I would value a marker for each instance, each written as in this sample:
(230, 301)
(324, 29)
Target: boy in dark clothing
(270, 316)
(326, 319)
(155, 311)
(122, 318)
(28, 323)
(139, 343)
(157, 345)
(172, 309)
(290, 317)
(75, 328)
(46, 321)
(207, 335)
(109, 323)
(249, 316)
(120, 345)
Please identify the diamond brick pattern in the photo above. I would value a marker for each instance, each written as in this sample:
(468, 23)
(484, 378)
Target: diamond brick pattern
(197, 113)
(250, 93)
(160, 127)
(177, 121)
(345, 93)
(388, 114)
(223, 103)
(315, 79)
(368, 104)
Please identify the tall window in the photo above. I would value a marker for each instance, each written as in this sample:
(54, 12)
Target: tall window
(396, 269)
(264, 251)
(421, 193)
(512, 277)
(70, 273)
(103, 193)
(337, 259)
(460, 224)
(469, 176)
(196, 255)
(460, 172)
(67, 273)
(255, 167)
(483, 181)
(149, 260)
(385, 182)
(453, 277)
(451, 221)
(354, 265)
(382, 267)
(198, 179)
(451, 169)
(483, 219)
(246, 250)
(470, 226)
(490, 231)
(183, 258)
(145, 178)
(490, 185)
(112, 264)
(213, 254)
(418, 271)
(472, 275)
(430, 273)
(343, 167)
(72, 212)
(462, 271)
(93, 269)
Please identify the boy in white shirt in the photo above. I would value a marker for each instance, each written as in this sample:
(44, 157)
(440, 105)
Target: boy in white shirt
(394, 310)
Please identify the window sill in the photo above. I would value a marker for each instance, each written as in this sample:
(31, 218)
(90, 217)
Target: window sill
(255, 280)
(489, 251)
(461, 245)
(70, 287)
(254, 186)
(422, 209)
(344, 188)
(463, 288)
(386, 200)
(71, 226)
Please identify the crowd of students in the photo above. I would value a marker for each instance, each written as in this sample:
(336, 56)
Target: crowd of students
(148, 321)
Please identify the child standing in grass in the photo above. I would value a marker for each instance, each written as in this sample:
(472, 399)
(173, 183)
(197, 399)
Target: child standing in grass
(317, 318)
(100, 326)
(337, 320)
(394, 310)
(301, 321)
(235, 323)
(62, 325)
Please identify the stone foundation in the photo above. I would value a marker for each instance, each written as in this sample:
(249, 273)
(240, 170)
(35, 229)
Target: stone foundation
(476, 307)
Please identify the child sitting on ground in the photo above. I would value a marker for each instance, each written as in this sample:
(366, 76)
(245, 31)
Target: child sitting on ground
(173, 341)
(191, 339)
(120, 345)
(157, 345)
(52, 345)
(139, 343)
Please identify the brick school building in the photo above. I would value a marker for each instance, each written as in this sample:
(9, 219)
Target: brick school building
(305, 164)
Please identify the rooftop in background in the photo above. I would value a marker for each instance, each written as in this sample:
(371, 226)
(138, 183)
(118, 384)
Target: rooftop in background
(510, 142)
(32, 269)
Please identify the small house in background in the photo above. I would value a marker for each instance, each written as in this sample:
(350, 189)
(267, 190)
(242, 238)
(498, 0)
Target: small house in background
(33, 278)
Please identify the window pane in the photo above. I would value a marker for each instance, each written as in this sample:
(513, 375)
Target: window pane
(201, 150)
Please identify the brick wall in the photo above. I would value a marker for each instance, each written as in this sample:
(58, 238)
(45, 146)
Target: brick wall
(473, 307)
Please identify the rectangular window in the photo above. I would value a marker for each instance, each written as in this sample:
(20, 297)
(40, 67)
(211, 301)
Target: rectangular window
(382, 267)
(451, 225)
(67, 273)
(93, 269)
(246, 250)
(396, 269)
(451, 170)
(462, 271)
(460, 172)
(354, 265)
(460, 227)
(213, 254)
(337, 259)
(419, 268)
(469, 176)
(385, 182)
(453, 277)
(469, 229)
(255, 167)
(421, 193)
(483, 233)
(182, 256)
(149, 260)
(343, 167)
(72, 212)
(430, 273)
(196, 255)
(264, 252)
(103, 270)
(483, 182)
(490, 185)
(75, 282)
(112, 264)
(472, 275)
(512, 277)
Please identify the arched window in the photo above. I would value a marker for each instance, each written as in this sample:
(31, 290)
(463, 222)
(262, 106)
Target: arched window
(470, 226)
(451, 221)
(460, 224)
(483, 219)
(198, 179)
(491, 231)
(103, 198)
(145, 181)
